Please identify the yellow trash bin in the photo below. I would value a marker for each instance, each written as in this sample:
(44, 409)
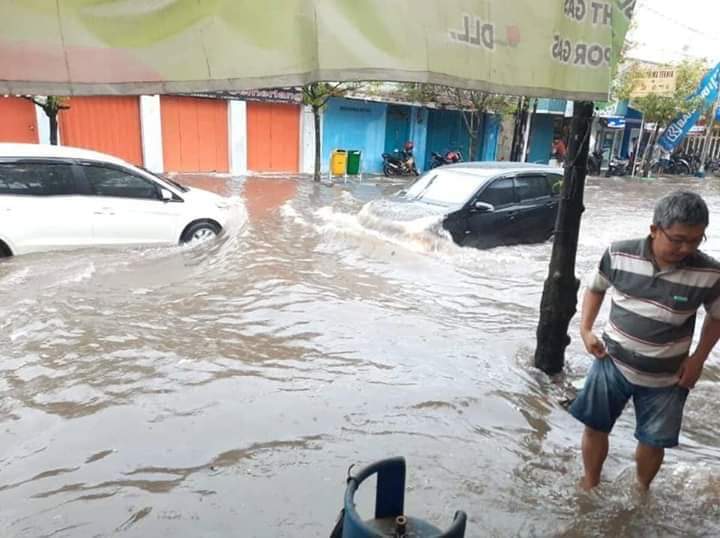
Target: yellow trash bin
(338, 162)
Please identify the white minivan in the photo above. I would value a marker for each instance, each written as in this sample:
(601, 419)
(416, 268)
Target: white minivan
(54, 197)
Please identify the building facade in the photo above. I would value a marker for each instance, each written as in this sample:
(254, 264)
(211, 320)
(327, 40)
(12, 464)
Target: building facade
(225, 134)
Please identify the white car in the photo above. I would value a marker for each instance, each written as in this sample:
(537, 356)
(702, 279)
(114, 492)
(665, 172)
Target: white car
(54, 197)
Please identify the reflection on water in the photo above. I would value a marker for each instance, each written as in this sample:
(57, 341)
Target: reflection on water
(225, 389)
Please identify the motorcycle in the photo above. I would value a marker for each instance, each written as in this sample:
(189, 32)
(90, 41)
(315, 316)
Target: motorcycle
(712, 166)
(399, 163)
(676, 164)
(594, 163)
(617, 167)
(450, 157)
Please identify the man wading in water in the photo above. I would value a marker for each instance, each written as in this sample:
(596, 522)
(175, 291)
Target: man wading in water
(657, 285)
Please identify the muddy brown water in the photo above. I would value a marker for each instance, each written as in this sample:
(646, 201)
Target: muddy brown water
(224, 390)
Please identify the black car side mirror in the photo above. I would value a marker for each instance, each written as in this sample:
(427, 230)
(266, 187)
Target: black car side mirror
(483, 207)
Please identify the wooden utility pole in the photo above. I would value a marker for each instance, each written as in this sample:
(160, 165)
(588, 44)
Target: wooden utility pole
(559, 299)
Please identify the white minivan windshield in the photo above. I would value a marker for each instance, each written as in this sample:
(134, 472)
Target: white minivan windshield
(448, 187)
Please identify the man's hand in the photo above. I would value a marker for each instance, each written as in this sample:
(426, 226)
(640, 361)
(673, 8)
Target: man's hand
(593, 344)
(690, 371)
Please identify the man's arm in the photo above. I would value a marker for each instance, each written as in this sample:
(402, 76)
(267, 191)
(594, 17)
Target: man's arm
(592, 301)
(693, 366)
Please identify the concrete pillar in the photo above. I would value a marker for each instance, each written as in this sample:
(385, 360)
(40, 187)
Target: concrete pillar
(307, 140)
(418, 134)
(151, 133)
(237, 129)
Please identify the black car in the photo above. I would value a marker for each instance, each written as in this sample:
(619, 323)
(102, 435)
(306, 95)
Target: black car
(482, 204)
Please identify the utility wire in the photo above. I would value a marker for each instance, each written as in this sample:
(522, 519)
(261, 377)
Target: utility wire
(666, 18)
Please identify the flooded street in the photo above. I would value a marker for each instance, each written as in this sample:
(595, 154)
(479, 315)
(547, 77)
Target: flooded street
(224, 390)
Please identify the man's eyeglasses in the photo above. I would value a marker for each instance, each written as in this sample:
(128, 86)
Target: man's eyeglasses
(680, 241)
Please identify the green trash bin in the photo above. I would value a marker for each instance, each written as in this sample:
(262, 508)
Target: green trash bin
(353, 162)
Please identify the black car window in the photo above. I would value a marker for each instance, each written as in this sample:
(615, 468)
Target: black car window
(37, 179)
(105, 181)
(531, 186)
(499, 192)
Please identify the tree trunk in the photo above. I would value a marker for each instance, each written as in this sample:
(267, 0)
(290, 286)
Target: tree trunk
(470, 122)
(318, 152)
(475, 139)
(52, 116)
(649, 150)
(472, 142)
(559, 299)
(481, 134)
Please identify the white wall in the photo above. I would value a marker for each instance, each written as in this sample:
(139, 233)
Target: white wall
(237, 129)
(43, 126)
(151, 132)
(307, 140)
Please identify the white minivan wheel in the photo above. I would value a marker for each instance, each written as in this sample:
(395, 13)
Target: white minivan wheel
(200, 232)
(5, 251)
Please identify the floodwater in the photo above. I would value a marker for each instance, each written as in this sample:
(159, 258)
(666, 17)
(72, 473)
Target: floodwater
(224, 390)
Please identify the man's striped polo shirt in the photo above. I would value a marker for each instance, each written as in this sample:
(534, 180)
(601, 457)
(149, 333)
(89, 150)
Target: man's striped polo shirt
(652, 315)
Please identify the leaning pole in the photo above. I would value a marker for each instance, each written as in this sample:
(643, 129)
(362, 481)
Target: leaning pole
(559, 298)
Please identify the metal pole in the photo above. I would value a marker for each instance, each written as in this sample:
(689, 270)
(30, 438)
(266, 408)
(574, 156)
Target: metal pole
(637, 146)
(528, 126)
(708, 138)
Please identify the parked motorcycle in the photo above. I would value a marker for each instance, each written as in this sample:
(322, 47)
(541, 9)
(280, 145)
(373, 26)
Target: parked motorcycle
(712, 167)
(400, 163)
(676, 164)
(450, 157)
(617, 167)
(594, 163)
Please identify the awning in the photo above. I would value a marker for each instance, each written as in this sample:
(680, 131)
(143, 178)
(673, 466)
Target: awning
(523, 47)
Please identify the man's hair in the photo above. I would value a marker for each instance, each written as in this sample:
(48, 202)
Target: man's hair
(680, 207)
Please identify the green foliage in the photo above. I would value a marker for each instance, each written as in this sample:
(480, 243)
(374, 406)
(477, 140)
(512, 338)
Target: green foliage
(625, 82)
(51, 104)
(462, 99)
(316, 94)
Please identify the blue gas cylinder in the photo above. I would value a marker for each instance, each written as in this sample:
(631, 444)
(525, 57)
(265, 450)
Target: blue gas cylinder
(390, 520)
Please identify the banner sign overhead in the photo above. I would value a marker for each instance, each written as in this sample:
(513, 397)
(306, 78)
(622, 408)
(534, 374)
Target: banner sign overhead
(659, 81)
(543, 48)
(707, 92)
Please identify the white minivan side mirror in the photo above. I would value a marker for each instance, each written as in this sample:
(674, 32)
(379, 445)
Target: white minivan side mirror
(166, 195)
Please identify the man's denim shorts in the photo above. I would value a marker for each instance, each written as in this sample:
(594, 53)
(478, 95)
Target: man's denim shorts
(658, 411)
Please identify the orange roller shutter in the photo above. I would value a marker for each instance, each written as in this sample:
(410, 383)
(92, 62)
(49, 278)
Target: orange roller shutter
(18, 122)
(110, 124)
(273, 132)
(195, 134)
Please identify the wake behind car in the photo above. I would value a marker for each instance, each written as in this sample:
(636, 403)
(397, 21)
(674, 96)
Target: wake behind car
(480, 204)
(60, 197)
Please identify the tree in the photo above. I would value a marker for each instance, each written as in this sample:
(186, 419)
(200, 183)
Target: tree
(472, 104)
(316, 95)
(52, 106)
(661, 109)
